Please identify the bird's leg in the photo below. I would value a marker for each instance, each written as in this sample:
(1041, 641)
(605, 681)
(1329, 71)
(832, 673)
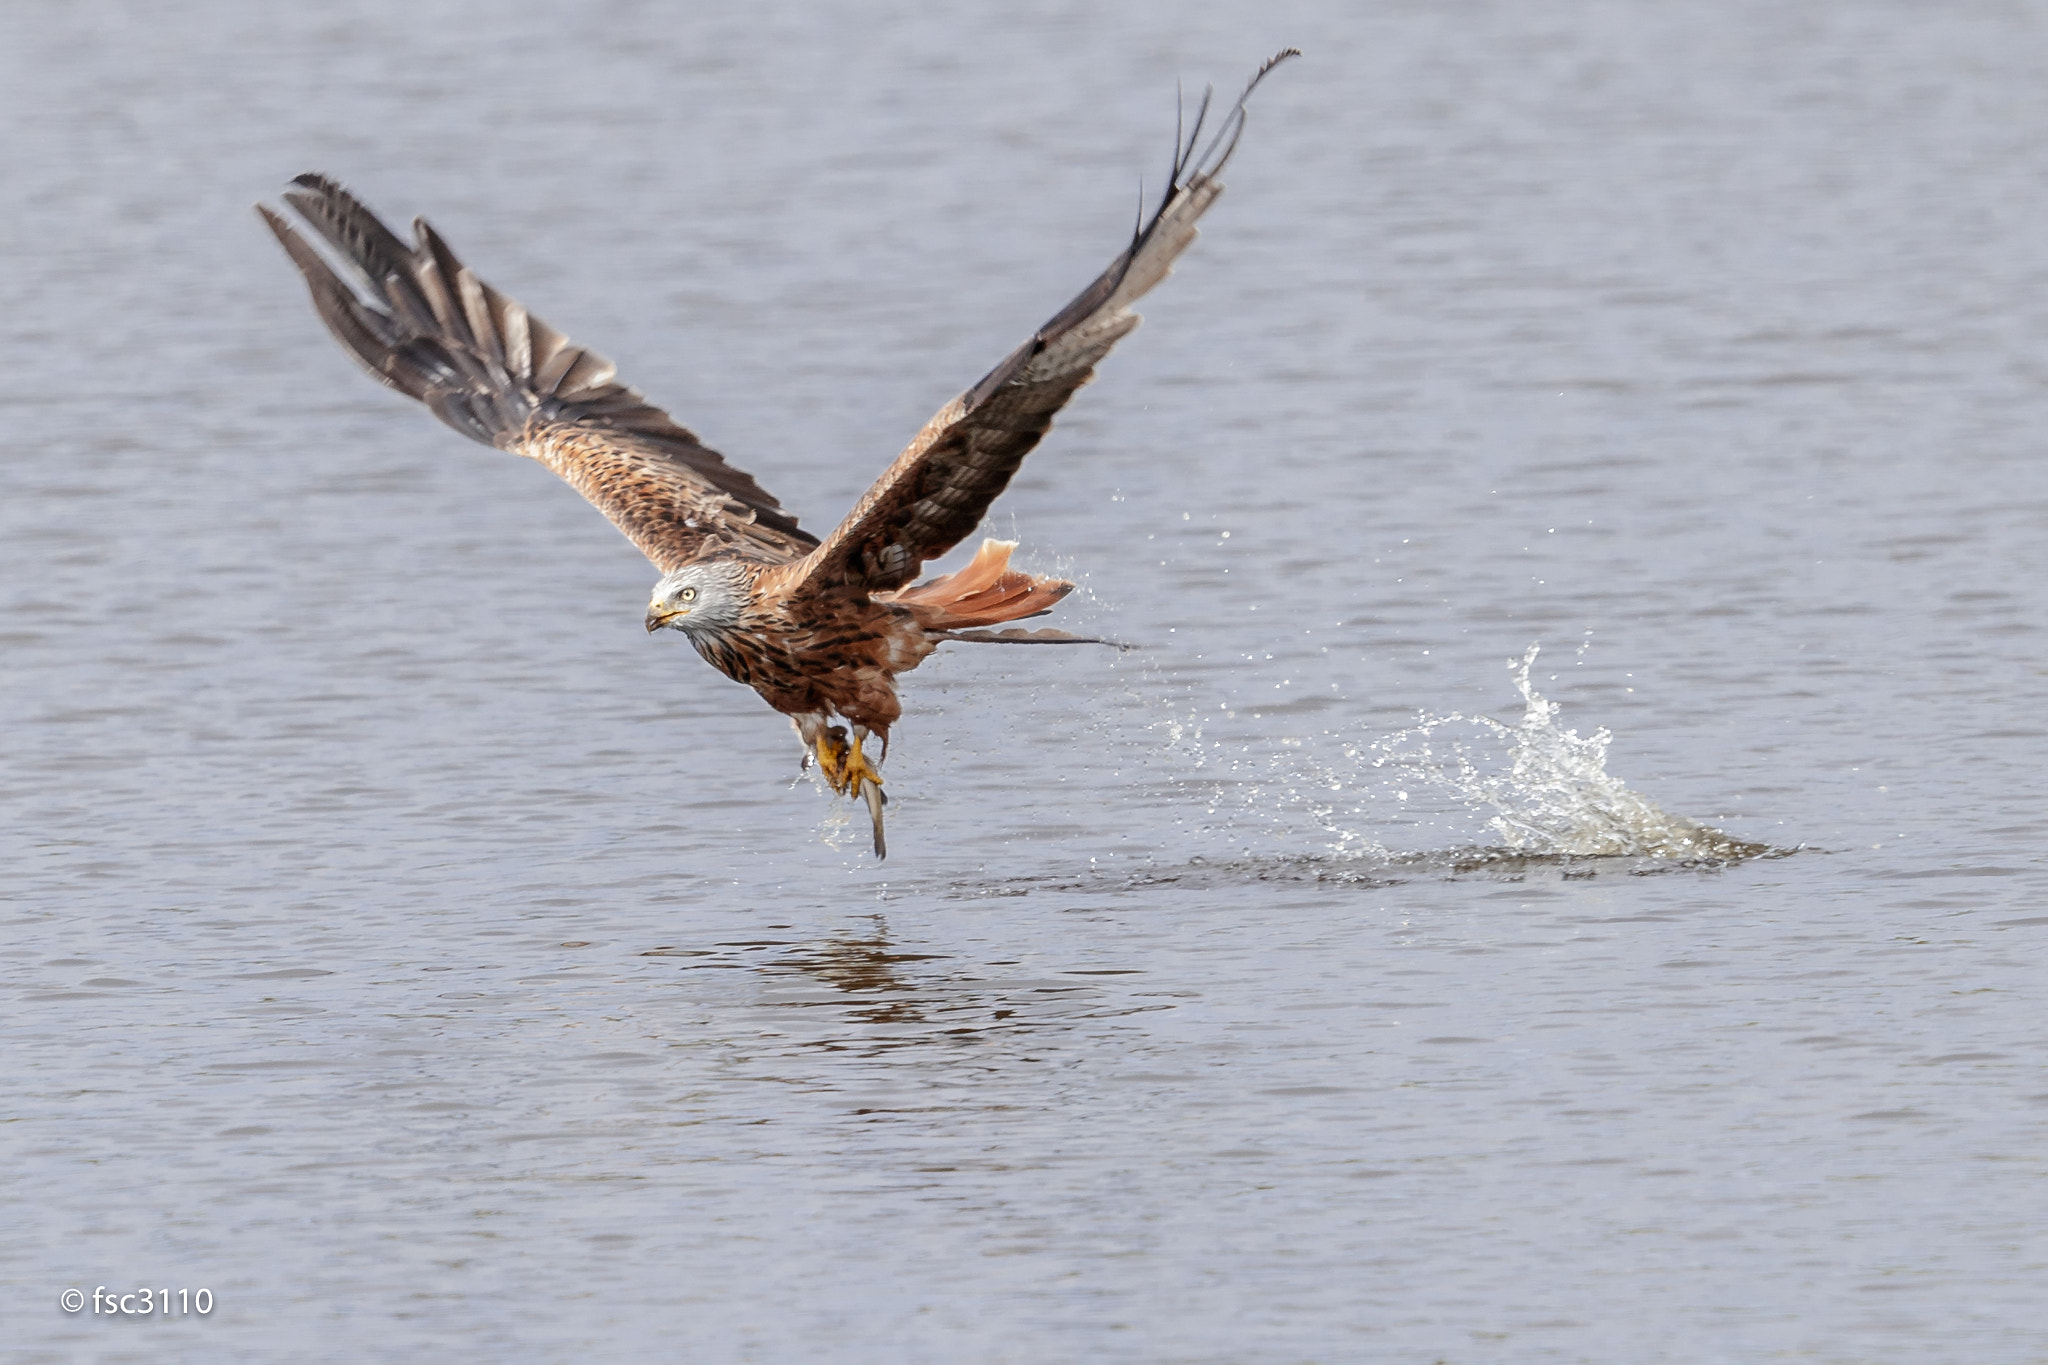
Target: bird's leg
(864, 780)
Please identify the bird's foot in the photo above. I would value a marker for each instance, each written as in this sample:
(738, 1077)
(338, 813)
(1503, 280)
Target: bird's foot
(847, 771)
(832, 753)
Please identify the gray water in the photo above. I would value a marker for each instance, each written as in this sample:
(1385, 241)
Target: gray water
(403, 946)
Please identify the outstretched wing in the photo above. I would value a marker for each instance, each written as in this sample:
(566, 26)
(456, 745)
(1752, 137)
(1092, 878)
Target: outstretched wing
(422, 323)
(937, 490)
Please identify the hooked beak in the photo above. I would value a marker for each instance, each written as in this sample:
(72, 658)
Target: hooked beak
(657, 618)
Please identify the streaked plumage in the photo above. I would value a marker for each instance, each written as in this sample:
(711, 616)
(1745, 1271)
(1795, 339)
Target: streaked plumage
(820, 630)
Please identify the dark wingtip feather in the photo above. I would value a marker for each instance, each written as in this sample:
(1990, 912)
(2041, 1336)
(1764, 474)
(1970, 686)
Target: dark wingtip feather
(364, 332)
(1188, 169)
(1232, 127)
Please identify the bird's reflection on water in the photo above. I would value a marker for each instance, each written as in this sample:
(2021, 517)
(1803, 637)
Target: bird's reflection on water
(862, 966)
(896, 998)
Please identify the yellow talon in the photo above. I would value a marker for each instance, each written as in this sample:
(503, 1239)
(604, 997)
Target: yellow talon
(858, 770)
(832, 755)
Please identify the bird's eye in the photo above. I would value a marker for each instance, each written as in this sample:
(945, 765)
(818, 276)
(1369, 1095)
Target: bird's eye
(687, 595)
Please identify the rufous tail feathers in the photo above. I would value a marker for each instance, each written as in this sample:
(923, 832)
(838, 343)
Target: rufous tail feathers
(984, 593)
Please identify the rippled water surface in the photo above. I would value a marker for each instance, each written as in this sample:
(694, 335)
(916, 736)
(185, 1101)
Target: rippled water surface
(403, 946)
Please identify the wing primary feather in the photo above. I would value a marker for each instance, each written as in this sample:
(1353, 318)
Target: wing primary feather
(1180, 118)
(360, 330)
(447, 275)
(361, 239)
(1234, 125)
(1186, 155)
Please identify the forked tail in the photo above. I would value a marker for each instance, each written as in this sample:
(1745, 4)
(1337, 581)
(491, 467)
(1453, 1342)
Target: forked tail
(986, 592)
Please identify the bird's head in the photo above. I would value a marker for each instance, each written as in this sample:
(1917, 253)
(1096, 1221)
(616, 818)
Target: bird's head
(698, 597)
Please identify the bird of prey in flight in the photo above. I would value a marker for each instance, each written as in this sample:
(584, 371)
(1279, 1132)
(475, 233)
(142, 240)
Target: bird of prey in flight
(819, 628)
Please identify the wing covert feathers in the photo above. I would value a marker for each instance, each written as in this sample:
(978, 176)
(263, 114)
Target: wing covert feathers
(935, 493)
(422, 323)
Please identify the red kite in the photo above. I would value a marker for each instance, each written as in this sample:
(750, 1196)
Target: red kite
(820, 630)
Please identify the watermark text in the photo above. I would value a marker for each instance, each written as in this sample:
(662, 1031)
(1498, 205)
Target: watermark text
(155, 1302)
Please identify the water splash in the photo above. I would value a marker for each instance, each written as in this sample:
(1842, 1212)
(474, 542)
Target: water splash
(1547, 787)
(1219, 789)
